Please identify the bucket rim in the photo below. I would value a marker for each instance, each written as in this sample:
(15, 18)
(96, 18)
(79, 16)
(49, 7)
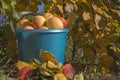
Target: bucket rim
(42, 30)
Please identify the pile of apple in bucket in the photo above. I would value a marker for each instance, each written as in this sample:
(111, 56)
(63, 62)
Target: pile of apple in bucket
(46, 32)
(33, 38)
(43, 21)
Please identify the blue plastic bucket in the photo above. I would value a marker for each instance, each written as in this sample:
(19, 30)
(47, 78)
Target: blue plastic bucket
(30, 42)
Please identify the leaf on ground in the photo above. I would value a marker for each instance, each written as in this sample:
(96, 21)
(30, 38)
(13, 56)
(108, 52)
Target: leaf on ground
(21, 64)
(84, 1)
(79, 76)
(53, 67)
(97, 9)
(49, 69)
(60, 76)
(97, 20)
(68, 70)
(86, 15)
(24, 73)
(69, 7)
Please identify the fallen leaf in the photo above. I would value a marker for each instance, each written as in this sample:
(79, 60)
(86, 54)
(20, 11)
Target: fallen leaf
(69, 7)
(54, 68)
(21, 64)
(97, 20)
(97, 9)
(84, 1)
(79, 76)
(51, 65)
(68, 70)
(59, 76)
(86, 15)
(24, 73)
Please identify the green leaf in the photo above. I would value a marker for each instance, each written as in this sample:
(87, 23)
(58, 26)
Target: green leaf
(106, 15)
(116, 11)
(16, 15)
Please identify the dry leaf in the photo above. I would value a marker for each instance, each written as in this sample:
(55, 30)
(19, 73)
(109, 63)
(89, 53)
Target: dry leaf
(97, 20)
(51, 65)
(79, 77)
(69, 7)
(59, 76)
(25, 71)
(86, 16)
(60, 8)
(68, 71)
(21, 64)
(54, 68)
(46, 56)
(84, 1)
(97, 9)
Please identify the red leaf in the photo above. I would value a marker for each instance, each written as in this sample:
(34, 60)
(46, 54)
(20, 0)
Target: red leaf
(25, 71)
(68, 71)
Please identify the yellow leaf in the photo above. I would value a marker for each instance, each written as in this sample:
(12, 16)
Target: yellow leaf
(84, 1)
(21, 64)
(51, 65)
(79, 76)
(54, 68)
(118, 49)
(97, 9)
(47, 56)
(97, 20)
(60, 76)
(86, 15)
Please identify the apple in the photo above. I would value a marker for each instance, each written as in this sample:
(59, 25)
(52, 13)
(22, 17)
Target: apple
(64, 21)
(38, 21)
(55, 23)
(44, 27)
(47, 15)
(22, 23)
(28, 27)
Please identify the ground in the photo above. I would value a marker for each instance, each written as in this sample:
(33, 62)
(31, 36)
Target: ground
(7, 65)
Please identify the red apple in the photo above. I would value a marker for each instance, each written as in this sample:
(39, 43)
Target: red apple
(22, 23)
(28, 27)
(55, 23)
(47, 15)
(43, 27)
(38, 21)
(64, 21)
